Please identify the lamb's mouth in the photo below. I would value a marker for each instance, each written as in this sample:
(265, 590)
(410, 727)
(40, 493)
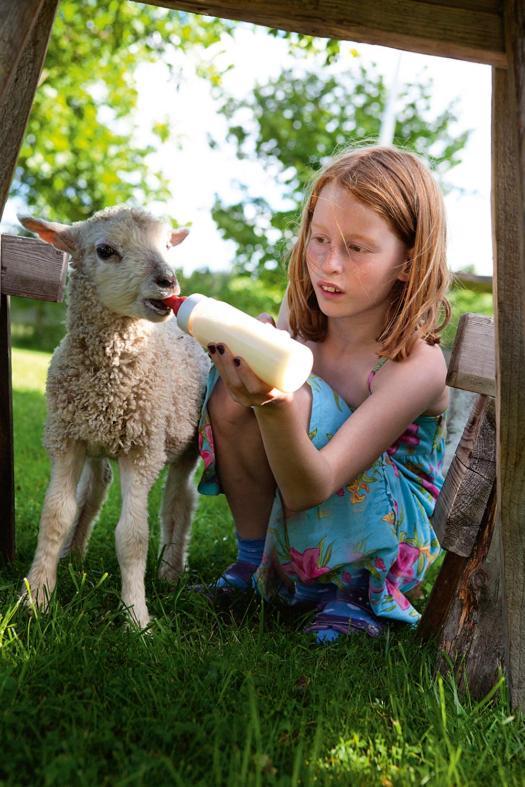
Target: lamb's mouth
(157, 306)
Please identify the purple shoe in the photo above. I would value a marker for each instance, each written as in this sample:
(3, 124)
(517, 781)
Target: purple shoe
(342, 616)
(237, 578)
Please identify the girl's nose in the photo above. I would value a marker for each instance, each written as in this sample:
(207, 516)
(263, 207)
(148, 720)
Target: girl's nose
(332, 261)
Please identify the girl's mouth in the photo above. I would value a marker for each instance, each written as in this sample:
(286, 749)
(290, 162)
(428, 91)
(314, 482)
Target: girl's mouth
(329, 289)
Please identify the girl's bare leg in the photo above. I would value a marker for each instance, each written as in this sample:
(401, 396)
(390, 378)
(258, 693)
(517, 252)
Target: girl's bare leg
(242, 466)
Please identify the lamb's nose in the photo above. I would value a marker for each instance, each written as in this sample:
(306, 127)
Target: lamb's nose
(166, 281)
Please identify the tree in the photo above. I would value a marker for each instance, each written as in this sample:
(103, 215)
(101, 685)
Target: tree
(293, 125)
(79, 152)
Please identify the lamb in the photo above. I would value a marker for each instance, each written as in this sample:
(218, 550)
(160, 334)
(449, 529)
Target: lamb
(126, 384)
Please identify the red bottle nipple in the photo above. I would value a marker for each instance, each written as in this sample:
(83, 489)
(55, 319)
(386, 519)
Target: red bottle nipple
(175, 302)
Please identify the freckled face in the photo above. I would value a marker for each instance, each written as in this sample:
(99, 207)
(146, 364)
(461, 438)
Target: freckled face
(353, 255)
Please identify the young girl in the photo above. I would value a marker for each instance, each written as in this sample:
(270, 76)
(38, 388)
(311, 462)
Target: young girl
(332, 488)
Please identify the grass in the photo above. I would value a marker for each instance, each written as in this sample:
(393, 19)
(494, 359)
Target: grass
(234, 698)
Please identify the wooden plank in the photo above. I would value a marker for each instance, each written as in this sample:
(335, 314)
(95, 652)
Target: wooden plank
(508, 192)
(468, 32)
(7, 488)
(16, 101)
(16, 23)
(469, 482)
(444, 591)
(471, 640)
(472, 365)
(470, 281)
(32, 268)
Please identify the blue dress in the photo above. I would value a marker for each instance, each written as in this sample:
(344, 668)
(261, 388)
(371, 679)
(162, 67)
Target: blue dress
(378, 526)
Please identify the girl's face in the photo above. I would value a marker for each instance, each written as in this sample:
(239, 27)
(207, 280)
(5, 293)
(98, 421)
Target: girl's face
(353, 255)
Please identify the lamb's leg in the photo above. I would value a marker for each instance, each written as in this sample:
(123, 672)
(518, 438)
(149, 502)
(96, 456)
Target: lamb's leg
(131, 537)
(91, 492)
(58, 514)
(178, 505)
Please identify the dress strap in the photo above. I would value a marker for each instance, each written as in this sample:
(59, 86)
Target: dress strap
(381, 362)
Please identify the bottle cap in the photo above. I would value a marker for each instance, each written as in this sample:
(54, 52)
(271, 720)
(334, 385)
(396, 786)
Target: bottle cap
(175, 302)
(185, 309)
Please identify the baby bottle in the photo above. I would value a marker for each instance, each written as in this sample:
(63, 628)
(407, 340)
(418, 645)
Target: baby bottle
(272, 354)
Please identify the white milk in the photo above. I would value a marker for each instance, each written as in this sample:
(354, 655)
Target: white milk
(272, 354)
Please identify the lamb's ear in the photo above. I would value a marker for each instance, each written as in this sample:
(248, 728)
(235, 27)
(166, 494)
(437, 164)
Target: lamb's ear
(58, 235)
(178, 235)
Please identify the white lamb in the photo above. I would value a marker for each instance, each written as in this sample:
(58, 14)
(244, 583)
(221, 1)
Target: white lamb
(125, 383)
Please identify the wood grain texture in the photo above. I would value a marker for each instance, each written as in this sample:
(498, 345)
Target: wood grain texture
(472, 365)
(7, 490)
(469, 31)
(471, 640)
(444, 591)
(16, 23)
(469, 482)
(32, 268)
(508, 193)
(17, 98)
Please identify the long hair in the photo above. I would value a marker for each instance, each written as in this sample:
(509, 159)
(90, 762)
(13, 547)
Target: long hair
(400, 188)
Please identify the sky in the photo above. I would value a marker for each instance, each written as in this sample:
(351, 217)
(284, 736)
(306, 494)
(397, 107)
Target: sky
(197, 173)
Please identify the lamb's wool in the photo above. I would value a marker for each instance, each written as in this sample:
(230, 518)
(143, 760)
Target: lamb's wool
(131, 385)
(127, 384)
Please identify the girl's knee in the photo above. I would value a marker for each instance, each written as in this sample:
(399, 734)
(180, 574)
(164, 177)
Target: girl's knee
(225, 413)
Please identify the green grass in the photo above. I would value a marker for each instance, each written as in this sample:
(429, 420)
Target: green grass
(233, 698)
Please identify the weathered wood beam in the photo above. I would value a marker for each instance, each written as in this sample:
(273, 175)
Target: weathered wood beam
(508, 194)
(32, 268)
(472, 365)
(471, 640)
(470, 281)
(33, 25)
(7, 481)
(466, 30)
(16, 24)
(469, 482)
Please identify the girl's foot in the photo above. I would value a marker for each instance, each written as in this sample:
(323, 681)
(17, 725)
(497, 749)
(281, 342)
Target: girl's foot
(344, 615)
(238, 577)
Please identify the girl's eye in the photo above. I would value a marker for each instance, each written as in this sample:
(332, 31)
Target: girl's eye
(104, 251)
(319, 239)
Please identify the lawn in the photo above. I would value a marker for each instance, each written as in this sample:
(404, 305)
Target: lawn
(211, 697)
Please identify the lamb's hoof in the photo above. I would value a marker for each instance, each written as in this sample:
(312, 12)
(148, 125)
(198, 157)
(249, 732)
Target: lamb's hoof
(36, 596)
(137, 619)
(170, 574)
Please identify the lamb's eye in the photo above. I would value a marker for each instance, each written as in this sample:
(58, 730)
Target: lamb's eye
(105, 251)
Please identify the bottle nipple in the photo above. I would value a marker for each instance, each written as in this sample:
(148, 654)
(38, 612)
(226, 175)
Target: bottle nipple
(175, 302)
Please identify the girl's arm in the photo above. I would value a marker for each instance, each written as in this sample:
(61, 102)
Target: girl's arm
(306, 475)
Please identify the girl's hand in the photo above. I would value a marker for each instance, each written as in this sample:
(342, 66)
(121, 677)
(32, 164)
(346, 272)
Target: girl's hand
(243, 385)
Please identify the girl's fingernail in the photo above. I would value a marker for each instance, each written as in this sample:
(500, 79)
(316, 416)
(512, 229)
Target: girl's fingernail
(220, 349)
(237, 361)
(211, 348)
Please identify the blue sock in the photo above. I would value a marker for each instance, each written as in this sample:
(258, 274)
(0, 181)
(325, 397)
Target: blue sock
(239, 575)
(250, 550)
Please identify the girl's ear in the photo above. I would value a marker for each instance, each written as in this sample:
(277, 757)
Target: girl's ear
(58, 235)
(178, 235)
(404, 273)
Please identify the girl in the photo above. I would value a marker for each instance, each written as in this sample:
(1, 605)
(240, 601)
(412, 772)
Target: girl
(332, 488)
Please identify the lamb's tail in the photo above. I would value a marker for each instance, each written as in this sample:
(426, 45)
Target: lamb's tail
(91, 492)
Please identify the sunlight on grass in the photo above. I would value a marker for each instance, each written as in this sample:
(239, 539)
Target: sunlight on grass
(234, 696)
(29, 369)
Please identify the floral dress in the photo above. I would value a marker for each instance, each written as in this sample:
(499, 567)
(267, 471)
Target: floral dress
(378, 525)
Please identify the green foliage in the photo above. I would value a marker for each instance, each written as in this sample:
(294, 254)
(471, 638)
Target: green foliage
(80, 153)
(292, 125)
(236, 698)
(461, 301)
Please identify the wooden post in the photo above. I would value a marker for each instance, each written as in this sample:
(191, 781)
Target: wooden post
(25, 27)
(508, 192)
(7, 495)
